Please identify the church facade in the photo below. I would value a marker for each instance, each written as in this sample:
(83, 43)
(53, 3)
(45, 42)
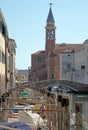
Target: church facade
(59, 61)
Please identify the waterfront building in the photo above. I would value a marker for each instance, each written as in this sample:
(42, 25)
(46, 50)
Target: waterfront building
(3, 41)
(12, 64)
(7, 64)
(21, 76)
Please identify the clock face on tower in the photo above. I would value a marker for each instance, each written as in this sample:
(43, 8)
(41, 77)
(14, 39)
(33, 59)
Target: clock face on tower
(50, 34)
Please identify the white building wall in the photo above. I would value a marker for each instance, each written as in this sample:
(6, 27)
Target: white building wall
(66, 63)
(79, 69)
(79, 59)
(74, 66)
(86, 61)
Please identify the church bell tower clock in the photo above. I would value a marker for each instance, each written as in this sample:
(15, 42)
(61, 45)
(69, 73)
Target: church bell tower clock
(50, 33)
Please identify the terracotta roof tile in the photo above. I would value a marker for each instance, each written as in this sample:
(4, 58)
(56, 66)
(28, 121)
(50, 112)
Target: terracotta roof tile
(39, 52)
(69, 47)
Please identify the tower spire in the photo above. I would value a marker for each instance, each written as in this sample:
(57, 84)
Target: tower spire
(50, 17)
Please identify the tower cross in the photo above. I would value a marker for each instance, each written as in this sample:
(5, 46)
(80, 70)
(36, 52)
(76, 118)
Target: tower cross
(51, 4)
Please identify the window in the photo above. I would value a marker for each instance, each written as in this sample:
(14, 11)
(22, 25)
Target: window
(68, 66)
(3, 30)
(82, 66)
(39, 59)
(3, 57)
(68, 54)
(52, 76)
(0, 55)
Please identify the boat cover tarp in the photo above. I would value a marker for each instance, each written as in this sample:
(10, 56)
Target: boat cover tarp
(17, 125)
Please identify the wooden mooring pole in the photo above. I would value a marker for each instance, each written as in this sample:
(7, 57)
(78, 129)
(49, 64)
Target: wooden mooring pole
(59, 113)
(65, 114)
(78, 116)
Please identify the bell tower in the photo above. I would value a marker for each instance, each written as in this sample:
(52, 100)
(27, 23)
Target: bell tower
(50, 33)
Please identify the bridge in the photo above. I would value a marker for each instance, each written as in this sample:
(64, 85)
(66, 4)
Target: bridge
(75, 87)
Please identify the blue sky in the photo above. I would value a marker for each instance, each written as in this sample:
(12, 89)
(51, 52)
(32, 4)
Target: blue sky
(26, 21)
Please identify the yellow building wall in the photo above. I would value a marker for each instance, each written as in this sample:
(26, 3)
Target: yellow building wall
(2, 65)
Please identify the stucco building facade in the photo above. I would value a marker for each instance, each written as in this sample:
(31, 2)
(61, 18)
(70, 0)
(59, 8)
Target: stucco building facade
(7, 63)
(12, 64)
